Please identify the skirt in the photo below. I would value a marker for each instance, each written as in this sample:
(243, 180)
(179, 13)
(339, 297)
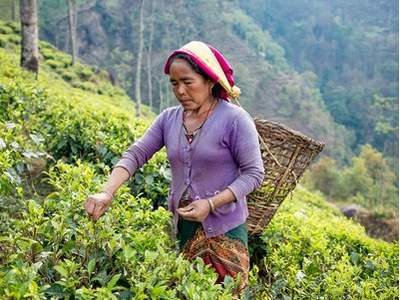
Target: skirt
(227, 254)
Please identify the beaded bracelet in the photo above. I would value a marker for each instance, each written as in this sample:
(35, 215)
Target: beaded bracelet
(108, 193)
(211, 204)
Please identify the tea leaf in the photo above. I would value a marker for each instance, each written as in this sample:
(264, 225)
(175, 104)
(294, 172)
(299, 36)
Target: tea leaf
(91, 266)
(113, 281)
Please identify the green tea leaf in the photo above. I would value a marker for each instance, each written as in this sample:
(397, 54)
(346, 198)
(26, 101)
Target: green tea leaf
(61, 271)
(113, 281)
(91, 266)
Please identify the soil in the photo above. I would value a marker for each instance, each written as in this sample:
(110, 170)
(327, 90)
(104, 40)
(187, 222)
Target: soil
(375, 226)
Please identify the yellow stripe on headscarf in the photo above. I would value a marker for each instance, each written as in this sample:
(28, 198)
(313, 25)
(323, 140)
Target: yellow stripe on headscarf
(203, 52)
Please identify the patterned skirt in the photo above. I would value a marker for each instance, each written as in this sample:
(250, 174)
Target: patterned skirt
(227, 254)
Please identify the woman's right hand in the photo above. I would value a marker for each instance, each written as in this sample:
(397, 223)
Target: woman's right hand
(96, 205)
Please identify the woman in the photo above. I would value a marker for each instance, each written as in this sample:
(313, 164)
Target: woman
(213, 149)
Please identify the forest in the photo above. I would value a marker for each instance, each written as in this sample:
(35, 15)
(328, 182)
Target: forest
(326, 69)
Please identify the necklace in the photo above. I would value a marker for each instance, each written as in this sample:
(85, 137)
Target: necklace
(212, 106)
(190, 138)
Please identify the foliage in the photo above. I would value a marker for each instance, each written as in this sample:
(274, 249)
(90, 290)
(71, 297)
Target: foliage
(68, 138)
(352, 46)
(67, 120)
(262, 42)
(312, 252)
(54, 250)
(49, 248)
(6, 9)
(368, 181)
(271, 89)
(325, 177)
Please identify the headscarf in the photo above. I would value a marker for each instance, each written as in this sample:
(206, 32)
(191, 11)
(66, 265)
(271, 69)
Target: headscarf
(213, 63)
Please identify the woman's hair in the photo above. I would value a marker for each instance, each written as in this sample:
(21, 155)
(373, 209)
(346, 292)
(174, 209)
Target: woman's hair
(195, 67)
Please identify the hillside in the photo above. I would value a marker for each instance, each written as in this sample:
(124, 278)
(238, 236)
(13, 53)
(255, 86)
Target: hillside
(58, 141)
(352, 47)
(326, 69)
(108, 37)
(339, 86)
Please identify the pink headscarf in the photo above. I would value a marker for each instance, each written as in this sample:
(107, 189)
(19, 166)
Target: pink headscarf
(213, 63)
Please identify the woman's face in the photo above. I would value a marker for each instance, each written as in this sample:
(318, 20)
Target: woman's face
(190, 88)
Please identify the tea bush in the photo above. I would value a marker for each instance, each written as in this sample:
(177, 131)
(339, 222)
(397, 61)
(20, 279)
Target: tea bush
(6, 30)
(311, 251)
(54, 250)
(72, 129)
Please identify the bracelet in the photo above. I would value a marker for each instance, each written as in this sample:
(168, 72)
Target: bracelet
(108, 193)
(211, 204)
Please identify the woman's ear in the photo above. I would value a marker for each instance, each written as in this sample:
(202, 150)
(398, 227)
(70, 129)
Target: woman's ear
(211, 84)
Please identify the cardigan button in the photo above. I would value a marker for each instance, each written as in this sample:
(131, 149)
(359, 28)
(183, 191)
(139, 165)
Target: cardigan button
(197, 198)
(209, 229)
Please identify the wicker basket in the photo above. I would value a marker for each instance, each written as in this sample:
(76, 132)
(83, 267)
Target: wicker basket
(286, 154)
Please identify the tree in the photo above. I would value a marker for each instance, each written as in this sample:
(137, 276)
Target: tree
(161, 96)
(368, 181)
(357, 181)
(385, 114)
(139, 61)
(149, 53)
(325, 176)
(369, 177)
(72, 28)
(29, 38)
(384, 190)
(14, 9)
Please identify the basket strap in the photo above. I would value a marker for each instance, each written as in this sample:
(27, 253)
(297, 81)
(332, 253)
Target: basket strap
(269, 151)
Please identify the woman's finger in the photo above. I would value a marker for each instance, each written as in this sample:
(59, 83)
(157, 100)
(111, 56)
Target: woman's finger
(189, 217)
(192, 214)
(185, 211)
(101, 207)
(96, 214)
(186, 208)
(90, 205)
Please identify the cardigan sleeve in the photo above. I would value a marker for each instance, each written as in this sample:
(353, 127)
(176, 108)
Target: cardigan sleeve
(245, 149)
(145, 147)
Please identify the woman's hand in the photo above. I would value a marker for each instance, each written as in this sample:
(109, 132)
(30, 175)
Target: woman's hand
(196, 211)
(96, 205)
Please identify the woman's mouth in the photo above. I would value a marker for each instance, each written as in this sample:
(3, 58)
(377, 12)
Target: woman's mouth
(185, 102)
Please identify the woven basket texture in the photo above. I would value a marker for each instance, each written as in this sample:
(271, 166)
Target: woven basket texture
(286, 154)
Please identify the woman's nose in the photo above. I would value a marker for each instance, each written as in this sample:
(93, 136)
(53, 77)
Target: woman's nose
(180, 89)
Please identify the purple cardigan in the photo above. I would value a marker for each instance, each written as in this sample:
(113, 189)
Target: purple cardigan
(225, 154)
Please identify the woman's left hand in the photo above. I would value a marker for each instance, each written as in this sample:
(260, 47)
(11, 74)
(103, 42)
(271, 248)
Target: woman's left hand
(196, 211)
